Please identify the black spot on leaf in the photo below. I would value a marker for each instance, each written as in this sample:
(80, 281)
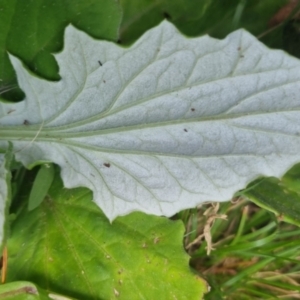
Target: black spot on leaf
(107, 165)
(100, 63)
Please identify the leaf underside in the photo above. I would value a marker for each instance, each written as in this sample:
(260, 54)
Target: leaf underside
(163, 125)
(5, 192)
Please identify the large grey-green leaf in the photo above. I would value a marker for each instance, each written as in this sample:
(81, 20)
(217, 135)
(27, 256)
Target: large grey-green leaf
(163, 125)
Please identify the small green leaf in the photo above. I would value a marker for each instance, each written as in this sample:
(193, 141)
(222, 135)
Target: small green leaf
(68, 246)
(41, 185)
(22, 291)
(291, 180)
(276, 196)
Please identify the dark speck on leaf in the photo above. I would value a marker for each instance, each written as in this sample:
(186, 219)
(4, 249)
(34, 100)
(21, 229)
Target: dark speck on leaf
(100, 63)
(107, 165)
(26, 122)
(185, 130)
(193, 109)
(104, 81)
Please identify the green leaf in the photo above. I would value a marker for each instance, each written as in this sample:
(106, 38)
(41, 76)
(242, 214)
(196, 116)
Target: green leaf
(291, 37)
(279, 196)
(217, 18)
(21, 291)
(291, 180)
(41, 185)
(33, 30)
(163, 125)
(68, 246)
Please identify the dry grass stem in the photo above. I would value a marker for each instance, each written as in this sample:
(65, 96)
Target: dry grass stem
(211, 215)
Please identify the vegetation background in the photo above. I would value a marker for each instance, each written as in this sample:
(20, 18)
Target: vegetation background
(253, 254)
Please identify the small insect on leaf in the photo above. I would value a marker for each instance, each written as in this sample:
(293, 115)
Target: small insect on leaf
(107, 165)
(41, 185)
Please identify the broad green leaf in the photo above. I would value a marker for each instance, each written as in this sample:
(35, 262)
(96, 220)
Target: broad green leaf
(5, 192)
(33, 30)
(22, 290)
(41, 185)
(163, 125)
(68, 246)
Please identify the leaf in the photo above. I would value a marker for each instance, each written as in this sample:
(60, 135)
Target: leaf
(34, 44)
(41, 185)
(163, 125)
(270, 192)
(194, 18)
(68, 246)
(24, 291)
(291, 36)
(5, 192)
(291, 180)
